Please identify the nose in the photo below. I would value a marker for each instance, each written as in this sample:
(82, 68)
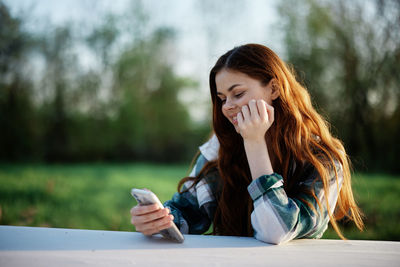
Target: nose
(229, 105)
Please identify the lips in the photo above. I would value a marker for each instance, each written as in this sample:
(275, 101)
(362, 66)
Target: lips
(232, 117)
(234, 120)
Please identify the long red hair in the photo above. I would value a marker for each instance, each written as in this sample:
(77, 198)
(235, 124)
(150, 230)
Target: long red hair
(299, 134)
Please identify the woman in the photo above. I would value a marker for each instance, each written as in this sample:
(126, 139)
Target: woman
(272, 170)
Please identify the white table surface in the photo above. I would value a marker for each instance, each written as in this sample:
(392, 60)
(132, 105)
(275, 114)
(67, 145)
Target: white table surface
(36, 246)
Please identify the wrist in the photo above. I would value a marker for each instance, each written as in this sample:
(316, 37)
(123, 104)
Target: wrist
(255, 142)
(258, 157)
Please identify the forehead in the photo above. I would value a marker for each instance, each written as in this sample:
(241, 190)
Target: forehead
(226, 78)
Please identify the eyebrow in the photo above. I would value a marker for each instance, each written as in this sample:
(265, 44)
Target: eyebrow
(229, 89)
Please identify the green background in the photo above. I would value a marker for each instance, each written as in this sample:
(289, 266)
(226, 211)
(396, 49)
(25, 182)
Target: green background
(97, 196)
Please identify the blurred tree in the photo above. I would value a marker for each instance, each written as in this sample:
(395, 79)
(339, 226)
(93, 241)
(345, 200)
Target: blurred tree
(347, 54)
(151, 121)
(103, 37)
(18, 134)
(58, 75)
(124, 106)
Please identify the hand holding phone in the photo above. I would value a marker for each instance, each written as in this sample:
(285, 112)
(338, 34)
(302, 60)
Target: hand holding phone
(144, 198)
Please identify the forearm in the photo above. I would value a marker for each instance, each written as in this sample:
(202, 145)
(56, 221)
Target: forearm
(298, 216)
(258, 158)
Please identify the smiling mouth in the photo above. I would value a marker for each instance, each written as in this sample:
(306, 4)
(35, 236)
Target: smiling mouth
(234, 120)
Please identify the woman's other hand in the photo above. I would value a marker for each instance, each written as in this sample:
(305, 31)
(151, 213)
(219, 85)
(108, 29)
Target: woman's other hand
(151, 219)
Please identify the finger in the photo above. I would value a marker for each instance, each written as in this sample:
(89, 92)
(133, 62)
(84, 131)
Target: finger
(149, 232)
(158, 229)
(262, 109)
(155, 231)
(254, 113)
(150, 216)
(143, 219)
(271, 113)
(154, 225)
(144, 209)
(133, 210)
(166, 226)
(239, 118)
(246, 113)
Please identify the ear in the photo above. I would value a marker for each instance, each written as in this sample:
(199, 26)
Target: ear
(275, 92)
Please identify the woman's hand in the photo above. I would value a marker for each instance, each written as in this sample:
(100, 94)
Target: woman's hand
(151, 219)
(253, 122)
(255, 119)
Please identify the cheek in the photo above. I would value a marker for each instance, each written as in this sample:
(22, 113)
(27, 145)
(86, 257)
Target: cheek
(267, 97)
(224, 112)
(245, 100)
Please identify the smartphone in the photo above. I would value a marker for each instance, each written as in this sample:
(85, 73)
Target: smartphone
(144, 197)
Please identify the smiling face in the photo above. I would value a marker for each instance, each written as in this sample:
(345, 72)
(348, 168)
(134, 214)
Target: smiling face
(235, 89)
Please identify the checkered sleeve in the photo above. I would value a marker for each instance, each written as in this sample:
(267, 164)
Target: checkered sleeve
(193, 208)
(277, 218)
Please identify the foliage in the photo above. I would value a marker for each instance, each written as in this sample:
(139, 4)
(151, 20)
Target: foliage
(122, 107)
(151, 120)
(97, 196)
(110, 92)
(18, 134)
(347, 53)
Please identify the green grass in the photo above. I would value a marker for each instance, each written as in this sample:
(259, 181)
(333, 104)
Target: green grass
(378, 196)
(97, 196)
(80, 196)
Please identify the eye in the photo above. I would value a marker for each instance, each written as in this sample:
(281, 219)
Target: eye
(223, 101)
(239, 95)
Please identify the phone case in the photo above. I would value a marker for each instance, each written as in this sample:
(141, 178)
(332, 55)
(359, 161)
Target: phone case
(144, 197)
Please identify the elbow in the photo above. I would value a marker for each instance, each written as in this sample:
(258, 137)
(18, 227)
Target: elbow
(272, 233)
(277, 241)
(272, 239)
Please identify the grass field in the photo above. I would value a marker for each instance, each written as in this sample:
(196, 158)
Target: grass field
(97, 196)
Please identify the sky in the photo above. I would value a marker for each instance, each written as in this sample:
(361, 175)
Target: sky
(205, 29)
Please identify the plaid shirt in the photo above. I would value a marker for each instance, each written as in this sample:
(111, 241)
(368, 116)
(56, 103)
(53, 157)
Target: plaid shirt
(276, 218)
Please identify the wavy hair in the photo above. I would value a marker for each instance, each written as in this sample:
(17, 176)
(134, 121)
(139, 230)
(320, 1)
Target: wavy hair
(299, 134)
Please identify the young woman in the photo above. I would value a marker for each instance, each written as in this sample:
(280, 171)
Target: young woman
(272, 169)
